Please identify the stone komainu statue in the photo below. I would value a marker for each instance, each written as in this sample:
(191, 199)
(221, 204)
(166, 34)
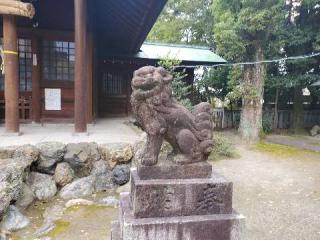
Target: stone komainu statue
(163, 118)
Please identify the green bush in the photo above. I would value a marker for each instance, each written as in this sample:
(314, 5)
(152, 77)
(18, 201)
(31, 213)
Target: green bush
(267, 122)
(223, 148)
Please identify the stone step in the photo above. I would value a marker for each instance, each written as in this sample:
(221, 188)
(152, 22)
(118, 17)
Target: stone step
(180, 197)
(203, 227)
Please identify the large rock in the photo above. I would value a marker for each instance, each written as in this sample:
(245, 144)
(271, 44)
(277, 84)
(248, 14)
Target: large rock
(50, 154)
(42, 185)
(26, 154)
(26, 197)
(79, 188)
(11, 179)
(116, 153)
(121, 174)
(14, 220)
(7, 152)
(315, 130)
(110, 201)
(102, 175)
(81, 157)
(78, 202)
(64, 174)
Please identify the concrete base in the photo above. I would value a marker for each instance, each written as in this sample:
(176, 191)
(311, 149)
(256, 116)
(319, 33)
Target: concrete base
(12, 134)
(180, 197)
(84, 134)
(208, 227)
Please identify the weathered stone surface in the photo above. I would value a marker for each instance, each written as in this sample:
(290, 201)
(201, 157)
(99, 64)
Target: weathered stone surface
(315, 130)
(42, 185)
(11, 179)
(7, 152)
(167, 198)
(27, 154)
(45, 229)
(121, 174)
(163, 118)
(14, 220)
(53, 213)
(64, 174)
(170, 170)
(205, 227)
(116, 153)
(138, 148)
(50, 215)
(109, 201)
(81, 157)
(78, 202)
(102, 175)
(26, 197)
(50, 154)
(79, 188)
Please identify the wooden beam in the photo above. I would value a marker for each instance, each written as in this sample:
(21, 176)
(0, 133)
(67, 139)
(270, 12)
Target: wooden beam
(10, 7)
(80, 116)
(11, 74)
(36, 91)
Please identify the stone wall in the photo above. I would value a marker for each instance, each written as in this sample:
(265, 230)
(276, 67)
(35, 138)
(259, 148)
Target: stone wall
(29, 173)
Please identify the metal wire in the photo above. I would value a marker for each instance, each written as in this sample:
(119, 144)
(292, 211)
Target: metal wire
(253, 63)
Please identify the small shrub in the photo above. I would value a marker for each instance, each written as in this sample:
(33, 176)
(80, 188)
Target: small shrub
(267, 123)
(223, 148)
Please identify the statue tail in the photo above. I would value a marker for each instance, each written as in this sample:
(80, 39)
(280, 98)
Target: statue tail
(204, 124)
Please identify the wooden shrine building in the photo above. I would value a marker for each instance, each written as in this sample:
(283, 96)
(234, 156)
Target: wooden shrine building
(75, 59)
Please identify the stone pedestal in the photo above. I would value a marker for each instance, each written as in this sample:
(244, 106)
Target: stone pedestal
(185, 208)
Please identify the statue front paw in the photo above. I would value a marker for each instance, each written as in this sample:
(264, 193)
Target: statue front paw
(149, 161)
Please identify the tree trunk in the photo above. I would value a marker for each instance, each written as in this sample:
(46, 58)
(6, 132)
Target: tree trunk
(298, 121)
(251, 114)
(276, 115)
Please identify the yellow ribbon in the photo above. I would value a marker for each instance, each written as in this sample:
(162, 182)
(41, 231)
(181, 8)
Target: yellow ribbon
(2, 61)
(3, 52)
(10, 52)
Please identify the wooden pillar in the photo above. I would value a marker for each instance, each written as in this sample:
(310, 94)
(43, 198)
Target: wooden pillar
(36, 95)
(80, 116)
(90, 79)
(11, 74)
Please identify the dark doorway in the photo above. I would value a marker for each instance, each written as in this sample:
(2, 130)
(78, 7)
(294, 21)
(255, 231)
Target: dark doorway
(114, 90)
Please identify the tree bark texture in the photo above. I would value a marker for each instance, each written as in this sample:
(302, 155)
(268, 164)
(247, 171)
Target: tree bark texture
(276, 115)
(251, 114)
(298, 121)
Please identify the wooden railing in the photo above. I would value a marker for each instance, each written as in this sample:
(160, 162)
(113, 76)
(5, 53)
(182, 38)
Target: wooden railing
(230, 119)
(25, 109)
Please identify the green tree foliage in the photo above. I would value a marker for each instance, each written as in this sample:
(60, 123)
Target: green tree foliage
(244, 31)
(184, 21)
(300, 35)
(180, 88)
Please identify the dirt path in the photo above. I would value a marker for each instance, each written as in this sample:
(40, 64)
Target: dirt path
(279, 195)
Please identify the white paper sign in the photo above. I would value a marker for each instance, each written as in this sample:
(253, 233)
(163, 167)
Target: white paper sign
(52, 99)
(34, 59)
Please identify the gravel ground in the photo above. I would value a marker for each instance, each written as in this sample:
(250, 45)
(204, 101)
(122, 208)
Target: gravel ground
(277, 191)
(279, 196)
(301, 142)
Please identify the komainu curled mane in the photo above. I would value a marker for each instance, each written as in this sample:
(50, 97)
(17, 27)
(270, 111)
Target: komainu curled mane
(162, 117)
